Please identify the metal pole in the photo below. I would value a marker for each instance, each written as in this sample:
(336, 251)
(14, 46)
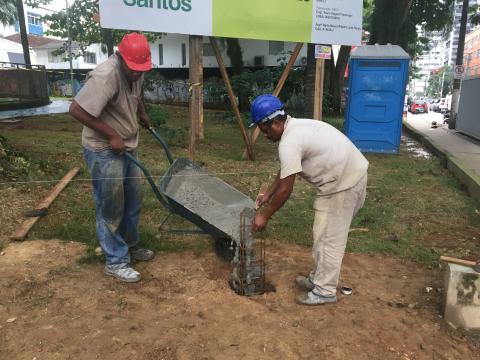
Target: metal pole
(69, 47)
(458, 82)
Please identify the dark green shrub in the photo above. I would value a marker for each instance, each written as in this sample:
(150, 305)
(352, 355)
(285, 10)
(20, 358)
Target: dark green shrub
(158, 116)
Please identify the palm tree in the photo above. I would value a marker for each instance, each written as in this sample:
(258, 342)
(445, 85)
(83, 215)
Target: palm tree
(8, 12)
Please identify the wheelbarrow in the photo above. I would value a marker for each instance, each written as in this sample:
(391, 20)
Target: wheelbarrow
(197, 196)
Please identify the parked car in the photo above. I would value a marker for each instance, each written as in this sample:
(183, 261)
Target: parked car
(419, 107)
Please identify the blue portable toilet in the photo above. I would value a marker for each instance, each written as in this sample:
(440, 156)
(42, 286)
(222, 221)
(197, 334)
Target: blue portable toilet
(377, 81)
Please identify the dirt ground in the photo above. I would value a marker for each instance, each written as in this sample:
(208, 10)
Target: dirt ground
(53, 308)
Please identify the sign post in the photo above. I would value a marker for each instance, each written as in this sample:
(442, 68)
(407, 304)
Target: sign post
(322, 53)
(459, 72)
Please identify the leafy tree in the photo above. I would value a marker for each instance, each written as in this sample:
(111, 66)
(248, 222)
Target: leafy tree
(396, 21)
(84, 27)
(443, 76)
(474, 13)
(8, 12)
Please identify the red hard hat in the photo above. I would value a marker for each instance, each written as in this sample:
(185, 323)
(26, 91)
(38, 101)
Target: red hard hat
(135, 51)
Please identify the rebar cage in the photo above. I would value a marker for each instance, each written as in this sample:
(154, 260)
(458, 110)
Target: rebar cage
(251, 260)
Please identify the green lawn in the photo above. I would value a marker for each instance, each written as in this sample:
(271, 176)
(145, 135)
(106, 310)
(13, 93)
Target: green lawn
(415, 209)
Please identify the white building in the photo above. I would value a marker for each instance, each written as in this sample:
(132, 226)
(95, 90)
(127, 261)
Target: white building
(429, 61)
(171, 51)
(451, 45)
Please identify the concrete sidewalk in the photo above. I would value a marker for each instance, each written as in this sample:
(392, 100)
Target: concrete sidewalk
(460, 153)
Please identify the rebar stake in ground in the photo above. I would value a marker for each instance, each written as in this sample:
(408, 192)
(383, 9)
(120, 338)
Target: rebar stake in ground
(251, 259)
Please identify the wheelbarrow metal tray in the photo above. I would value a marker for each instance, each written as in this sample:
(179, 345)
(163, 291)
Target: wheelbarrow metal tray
(203, 199)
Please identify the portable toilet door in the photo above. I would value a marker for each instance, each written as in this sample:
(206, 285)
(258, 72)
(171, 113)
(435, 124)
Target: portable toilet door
(377, 84)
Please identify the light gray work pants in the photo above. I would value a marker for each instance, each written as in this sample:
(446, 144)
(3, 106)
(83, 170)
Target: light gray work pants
(333, 215)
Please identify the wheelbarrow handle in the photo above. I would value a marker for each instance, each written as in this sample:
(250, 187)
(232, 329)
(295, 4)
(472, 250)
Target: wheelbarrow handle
(155, 189)
(157, 136)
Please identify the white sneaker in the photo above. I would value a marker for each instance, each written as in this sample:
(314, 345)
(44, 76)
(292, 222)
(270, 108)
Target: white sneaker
(122, 272)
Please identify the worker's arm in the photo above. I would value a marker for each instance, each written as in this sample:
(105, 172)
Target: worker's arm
(142, 115)
(284, 188)
(265, 198)
(116, 142)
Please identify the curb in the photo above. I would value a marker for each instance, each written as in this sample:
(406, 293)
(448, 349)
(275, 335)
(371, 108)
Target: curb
(468, 177)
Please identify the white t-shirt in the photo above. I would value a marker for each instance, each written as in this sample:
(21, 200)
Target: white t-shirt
(320, 154)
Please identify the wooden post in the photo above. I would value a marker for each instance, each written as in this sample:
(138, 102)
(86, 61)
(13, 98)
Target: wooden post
(196, 93)
(278, 88)
(231, 96)
(318, 101)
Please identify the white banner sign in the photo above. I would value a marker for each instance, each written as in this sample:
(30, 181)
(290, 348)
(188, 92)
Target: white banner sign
(313, 21)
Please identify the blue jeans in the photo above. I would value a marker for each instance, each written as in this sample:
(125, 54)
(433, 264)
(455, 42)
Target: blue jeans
(117, 190)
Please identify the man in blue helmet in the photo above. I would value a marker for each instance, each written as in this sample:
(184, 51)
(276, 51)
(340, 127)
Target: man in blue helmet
(327, 159)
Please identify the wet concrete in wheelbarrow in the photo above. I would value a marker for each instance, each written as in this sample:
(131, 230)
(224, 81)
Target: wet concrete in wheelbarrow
(220, 205)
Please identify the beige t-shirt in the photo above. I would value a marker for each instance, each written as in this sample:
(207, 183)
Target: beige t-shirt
(320, 154)
(107, 96)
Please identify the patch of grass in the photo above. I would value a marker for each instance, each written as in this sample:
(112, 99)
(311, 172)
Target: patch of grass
(415, 209)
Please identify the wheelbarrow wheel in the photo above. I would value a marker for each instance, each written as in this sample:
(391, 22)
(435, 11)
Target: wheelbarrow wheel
(225, 248)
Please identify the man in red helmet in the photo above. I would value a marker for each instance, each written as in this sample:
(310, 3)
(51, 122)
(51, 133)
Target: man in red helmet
(110, 107)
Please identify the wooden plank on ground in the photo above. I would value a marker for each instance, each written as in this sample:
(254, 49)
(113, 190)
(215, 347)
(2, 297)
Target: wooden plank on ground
(457, 261)
(22, 232)
(278, 89)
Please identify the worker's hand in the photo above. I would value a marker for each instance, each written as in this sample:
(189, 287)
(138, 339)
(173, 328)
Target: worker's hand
(145, 121)
(259, 222)
(117, 145)
(262, 199)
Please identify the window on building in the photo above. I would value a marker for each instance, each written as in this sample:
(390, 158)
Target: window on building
(90, 58)
(34, 19)
(275, 47)
(54, 58)
(34, 22)
(160, 54)
(184, 55)
(208, 50)
(16, 58)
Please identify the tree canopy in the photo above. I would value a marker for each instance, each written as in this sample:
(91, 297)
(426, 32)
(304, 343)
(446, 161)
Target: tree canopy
(84, 27)
(396, 22)
(8, 12)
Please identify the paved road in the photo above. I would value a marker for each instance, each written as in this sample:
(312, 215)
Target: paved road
(462, 153)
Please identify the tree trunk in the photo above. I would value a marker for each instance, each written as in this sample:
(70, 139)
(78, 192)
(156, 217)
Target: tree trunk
(23, 34)
(310, 81)
(107, 38)
(234, 53)
(339, 80)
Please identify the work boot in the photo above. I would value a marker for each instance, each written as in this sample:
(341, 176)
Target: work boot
(122, 272)
(141, 254)
(304, 282)
(310, 298)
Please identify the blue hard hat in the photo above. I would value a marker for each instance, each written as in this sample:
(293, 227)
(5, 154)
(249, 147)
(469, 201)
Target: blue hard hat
(263, 107)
